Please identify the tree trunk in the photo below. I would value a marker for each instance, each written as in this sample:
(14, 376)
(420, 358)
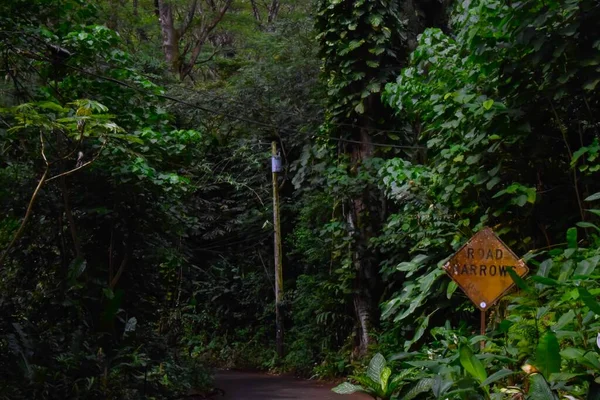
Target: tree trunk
(170, 35)
(273, 10)
(366, 282)
(255, 11)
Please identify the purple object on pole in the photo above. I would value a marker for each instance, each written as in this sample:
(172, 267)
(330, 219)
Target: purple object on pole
(276, 164)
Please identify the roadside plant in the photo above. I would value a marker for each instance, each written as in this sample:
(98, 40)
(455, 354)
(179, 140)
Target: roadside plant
(377, 381)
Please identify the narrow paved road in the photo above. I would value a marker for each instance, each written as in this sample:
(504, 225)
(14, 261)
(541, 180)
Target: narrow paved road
(256, 386)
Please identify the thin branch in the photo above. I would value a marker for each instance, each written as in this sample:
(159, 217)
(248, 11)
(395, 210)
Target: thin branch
(21, 229)
(201, 40)
(209, 58)
(234, 183)
(189, 18)
(80, 167)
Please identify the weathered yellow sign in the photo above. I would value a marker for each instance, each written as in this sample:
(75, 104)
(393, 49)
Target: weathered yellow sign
(480, 268)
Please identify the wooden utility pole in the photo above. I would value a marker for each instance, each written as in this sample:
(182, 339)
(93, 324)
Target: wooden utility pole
(276, 168)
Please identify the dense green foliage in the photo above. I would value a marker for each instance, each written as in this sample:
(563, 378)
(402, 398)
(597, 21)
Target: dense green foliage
(505, 112)
(135, 194)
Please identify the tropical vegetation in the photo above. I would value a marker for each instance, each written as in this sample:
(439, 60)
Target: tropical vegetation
(136, 224)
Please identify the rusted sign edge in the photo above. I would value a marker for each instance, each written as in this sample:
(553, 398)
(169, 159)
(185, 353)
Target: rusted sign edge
(510, 287)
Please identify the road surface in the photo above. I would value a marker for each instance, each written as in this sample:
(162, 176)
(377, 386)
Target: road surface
(257, 386)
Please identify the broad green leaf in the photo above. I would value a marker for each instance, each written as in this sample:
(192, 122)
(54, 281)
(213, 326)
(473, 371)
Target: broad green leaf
(375, 87)
(531, 195)
(347, 388)
(546, 266)
(564, 376)
(592, 359)
(578, 154)
(360, 108)
(521, 200)
(588, 225)
(477, 339)
(496, 376)
(390, 308)
(545, 281)
(399, 379)
(471, 364)
(572, 353)
(76, 268)
(367, 383)
(418, 334)
(569, 253)
(591, 84)
(452, 286)
(572, 238)
(414, 304)
(564, 319)
(586, 267)
(48, 105)
(488, 104)
(423, 386)
(376, 366)
(539, 389)
(518, 280)
(385, 376)
(547, 354)
(589, 300)
(492, 182)
(441, 385)
(375, 19)
(595, 196)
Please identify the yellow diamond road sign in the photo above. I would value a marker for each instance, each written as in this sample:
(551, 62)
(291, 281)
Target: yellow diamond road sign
(480, 268)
